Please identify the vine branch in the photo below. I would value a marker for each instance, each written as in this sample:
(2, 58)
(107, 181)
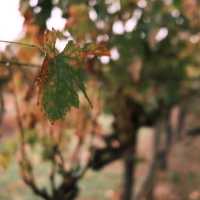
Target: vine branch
(22, 44)
(9, 63)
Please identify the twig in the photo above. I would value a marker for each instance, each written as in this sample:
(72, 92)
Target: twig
(22, 44)
(84, 93)
(20, 125)
(52, 176)
(30, 180)
(8, 63)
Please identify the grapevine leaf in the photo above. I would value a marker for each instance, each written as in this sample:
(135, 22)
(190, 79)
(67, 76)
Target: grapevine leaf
(61, 78)
(60, 89)
(95, 49)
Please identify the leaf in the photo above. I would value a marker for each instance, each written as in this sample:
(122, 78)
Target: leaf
(89, 49)
(72, 50)
(60, 77)
(177, 3)
(60, 89)
(95, 49)
(49, 41)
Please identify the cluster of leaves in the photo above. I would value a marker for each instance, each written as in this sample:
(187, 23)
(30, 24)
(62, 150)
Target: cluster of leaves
(61, 76)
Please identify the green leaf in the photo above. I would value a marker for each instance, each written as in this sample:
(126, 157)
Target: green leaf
(60, 89)
(177, 3)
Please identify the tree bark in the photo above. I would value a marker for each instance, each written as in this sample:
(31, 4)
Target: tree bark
(181, 123)
(147, 188)
(129, 171)
(168, 142)
(128, 176)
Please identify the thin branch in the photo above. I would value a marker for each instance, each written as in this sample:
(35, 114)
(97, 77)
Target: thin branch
(20, 125)
(30, 181)
(40, 192)
(8, 63)
(84, 93)
(52, 176)
(22, 44)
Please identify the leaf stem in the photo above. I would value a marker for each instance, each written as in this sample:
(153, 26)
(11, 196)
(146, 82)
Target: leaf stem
(22, 44)
(8, 63)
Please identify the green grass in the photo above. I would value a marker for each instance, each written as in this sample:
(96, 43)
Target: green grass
(93, 186)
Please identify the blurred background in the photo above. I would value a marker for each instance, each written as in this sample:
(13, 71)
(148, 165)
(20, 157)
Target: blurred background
(99, 99)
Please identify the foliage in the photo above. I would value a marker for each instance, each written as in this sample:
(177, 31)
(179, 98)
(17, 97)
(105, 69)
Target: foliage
(60, 78)
(137, 53)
